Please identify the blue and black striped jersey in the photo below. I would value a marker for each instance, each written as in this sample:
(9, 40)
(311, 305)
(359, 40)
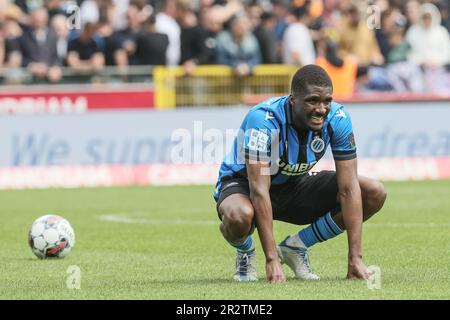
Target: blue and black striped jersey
(267, 133)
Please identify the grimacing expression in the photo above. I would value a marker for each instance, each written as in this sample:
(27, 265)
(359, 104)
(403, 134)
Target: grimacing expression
(310, 109)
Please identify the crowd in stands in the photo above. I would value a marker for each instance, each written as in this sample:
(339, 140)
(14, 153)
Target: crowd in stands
(401, 46)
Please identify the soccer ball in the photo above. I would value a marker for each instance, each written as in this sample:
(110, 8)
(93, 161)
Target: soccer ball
(51, 236)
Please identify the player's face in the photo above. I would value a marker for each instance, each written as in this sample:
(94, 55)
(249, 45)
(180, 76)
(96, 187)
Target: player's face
(310, 109)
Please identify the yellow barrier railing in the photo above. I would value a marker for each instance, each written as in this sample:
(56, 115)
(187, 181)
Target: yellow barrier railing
(217, 85)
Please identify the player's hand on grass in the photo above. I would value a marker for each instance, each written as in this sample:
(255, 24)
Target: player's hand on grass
(274, 272)
(357, 269)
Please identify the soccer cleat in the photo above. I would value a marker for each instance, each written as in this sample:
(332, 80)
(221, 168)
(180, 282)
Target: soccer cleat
(297, 259)
(245, 266)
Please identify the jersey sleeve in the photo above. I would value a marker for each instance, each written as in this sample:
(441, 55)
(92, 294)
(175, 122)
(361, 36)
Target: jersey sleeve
(261, 130)
(342, 139)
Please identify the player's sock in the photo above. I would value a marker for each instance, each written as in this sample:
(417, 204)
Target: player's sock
(245, 246)
(321, 230)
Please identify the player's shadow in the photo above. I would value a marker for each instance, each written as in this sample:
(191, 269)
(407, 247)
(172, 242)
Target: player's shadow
(30, 259)
(204, 281)
(322, 279)
(229, 280)
(37, 260)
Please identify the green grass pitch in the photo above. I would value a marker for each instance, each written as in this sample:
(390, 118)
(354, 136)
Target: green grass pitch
(164, 243)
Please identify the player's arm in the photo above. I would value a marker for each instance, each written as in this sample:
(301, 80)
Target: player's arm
(259, 133)
(344, 152)
(352, 211)
(260, 198)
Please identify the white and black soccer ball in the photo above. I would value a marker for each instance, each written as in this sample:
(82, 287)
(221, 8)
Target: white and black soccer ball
(51, 236)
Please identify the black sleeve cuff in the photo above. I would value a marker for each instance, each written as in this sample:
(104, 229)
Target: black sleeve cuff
(344, 155)
(256, 155)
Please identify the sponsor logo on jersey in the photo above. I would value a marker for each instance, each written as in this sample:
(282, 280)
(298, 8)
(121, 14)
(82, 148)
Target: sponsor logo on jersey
(295, 169)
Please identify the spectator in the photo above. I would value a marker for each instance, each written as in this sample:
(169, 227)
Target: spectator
(211, 24)
(198, 42)
(266, 38)
(192, 43)
(186, 17)
(166, 23)
(384, 5)
(398, 47)
(126, 39)
(357, 40)
(10, 56)
(12, 17)
(327, 50)
(388, 22)
(59, 25)
(280, 10)
(403, 75)
(337, 36)
(331, 13)
(239, 48)
(106, 32)
(298, 47)
(151, 46)
(413, 12)
(254, 11)
(85, 53)
(429, 41)
(38, 45)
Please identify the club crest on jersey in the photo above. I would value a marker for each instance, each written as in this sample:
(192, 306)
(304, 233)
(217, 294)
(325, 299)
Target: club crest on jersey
(317, 145)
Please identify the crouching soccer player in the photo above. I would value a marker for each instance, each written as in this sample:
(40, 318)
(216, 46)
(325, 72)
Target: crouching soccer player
(250, 193)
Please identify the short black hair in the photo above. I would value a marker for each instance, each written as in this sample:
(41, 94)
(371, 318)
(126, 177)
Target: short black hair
(299, 12)
(265, 16)
(309, 75)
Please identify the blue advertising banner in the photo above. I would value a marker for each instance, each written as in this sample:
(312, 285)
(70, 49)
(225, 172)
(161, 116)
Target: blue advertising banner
(148, 137)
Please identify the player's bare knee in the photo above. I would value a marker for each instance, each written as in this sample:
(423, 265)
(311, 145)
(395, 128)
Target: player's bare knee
(376, 196)
(239, 220)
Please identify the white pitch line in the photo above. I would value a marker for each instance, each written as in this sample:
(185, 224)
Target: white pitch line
(139, 220)
(124, 218)
(408, 225)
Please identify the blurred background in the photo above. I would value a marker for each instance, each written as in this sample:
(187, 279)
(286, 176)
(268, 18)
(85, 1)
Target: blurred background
(93, 91)
(123, 94)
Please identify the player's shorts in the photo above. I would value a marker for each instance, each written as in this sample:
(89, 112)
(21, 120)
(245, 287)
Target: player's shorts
(301, 201)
